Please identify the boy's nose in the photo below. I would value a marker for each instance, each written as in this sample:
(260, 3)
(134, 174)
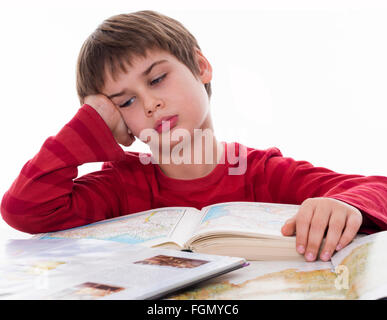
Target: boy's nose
(151, 108)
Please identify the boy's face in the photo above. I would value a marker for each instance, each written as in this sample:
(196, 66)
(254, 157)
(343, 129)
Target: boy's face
(168, 89)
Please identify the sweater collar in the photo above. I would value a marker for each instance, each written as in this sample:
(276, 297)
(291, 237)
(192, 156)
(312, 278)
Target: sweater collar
(194, 184)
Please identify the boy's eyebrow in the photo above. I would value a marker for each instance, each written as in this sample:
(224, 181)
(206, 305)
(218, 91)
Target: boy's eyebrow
(145, 73)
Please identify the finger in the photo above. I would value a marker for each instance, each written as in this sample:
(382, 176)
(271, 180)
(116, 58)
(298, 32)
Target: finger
(318, 226)
(351, 228)
(131, 135)
(303, 218)
(126, 140)
(289, 228)
(335, 229)
(124, 136)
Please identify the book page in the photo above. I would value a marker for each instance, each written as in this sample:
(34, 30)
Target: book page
(147, 228)
(250, 218)
(188, 223)
(80, 269)
(363, 266)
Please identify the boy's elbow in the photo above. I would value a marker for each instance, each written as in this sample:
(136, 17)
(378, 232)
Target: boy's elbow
(13, 212)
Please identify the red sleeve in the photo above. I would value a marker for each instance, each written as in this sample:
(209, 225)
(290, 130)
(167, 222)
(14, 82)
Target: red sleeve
(46, 196)
(291, 181)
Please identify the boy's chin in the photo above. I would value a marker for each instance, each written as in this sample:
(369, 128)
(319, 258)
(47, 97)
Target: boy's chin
(176, 137)
(165, 142)
(172, 137)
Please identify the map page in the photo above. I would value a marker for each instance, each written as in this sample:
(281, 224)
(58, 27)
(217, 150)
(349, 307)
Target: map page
(137, 228)
(358, 271)
(364, 260)
(248, 217)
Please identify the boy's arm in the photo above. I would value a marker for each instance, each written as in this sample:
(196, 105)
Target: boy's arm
(46, 196)
(291, 181)
(334, 204)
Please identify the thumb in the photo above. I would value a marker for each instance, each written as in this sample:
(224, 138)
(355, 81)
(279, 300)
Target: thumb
(289, 228)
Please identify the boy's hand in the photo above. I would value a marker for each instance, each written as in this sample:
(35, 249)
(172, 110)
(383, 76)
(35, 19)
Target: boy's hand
(112, 116)
(315, 216)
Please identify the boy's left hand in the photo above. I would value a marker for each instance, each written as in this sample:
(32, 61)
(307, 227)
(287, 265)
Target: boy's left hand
(316, 215)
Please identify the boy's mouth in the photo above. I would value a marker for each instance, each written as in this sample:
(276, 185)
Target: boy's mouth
(166, 123)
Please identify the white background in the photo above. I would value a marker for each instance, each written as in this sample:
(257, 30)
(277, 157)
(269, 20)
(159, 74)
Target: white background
(308, 77)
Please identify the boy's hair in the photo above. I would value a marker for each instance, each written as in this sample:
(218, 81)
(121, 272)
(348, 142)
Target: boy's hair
(123, 36)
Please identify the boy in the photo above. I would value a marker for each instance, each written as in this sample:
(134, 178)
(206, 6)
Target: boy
(144, 72)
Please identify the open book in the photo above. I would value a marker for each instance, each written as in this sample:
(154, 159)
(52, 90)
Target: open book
(80, 269)
(358, 271)
(251, 230)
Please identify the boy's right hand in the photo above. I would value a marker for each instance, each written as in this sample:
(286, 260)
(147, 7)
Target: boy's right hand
(112, 117)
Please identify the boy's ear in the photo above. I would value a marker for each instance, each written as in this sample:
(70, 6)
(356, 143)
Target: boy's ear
(205, 69)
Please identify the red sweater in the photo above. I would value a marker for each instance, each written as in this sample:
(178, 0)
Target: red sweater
(48, 196)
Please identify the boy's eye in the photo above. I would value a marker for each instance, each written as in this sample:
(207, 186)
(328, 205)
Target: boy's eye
(127, 103)
(159, 79)
(155, 81)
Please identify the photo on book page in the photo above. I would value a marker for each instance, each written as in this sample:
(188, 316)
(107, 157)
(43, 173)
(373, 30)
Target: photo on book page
(171, 261)
(86, 291)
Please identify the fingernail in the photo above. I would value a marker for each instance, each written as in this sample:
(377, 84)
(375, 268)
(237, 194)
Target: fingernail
(301, 249)
(310, 256)
(325, 256)
(339, 247)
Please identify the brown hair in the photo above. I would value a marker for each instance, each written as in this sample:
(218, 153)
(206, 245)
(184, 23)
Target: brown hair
(120, 37)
